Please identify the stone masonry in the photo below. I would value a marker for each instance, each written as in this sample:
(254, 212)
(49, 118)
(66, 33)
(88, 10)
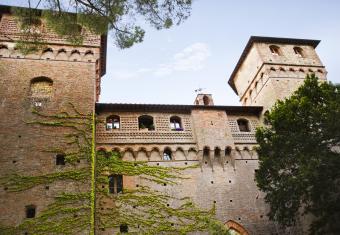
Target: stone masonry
(221, 139)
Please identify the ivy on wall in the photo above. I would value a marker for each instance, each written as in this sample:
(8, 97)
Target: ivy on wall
(144, 210)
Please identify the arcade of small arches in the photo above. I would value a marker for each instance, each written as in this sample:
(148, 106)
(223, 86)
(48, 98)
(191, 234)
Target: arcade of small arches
(278, 72)
(176, 153)
(51, 53)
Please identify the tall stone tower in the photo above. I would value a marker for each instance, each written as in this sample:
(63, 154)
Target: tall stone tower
(50, 81)
(272, 68)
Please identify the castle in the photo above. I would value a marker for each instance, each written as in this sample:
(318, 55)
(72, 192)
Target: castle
(220, 139)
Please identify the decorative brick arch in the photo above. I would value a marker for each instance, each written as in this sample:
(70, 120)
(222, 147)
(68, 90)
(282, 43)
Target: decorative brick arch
(237, 227)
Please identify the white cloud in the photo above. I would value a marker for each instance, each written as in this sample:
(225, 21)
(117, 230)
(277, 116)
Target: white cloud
(191, 58)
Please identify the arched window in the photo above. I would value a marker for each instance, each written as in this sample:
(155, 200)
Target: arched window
(298, 52)
(41, 87)
(145, 122)
(175, 123)
(115, 184)
(227, 151)
(206, 151)
(167, 155)
(243, 125)
(112, 122)
(206, 100)
(60, 159)
(30, 211)
(275, 50)
(217, 152)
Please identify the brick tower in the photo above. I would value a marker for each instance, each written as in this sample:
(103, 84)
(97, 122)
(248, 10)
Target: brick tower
(272, 68)
(50, 81)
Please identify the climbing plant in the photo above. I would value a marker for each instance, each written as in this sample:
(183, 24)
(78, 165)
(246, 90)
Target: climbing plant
(143, 209)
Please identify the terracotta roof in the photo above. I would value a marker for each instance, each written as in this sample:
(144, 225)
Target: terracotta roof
(254, 39)
(109, 107)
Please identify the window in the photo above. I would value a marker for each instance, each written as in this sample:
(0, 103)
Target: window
(167, 156)
(275, 50)
(115, 184)
(41, 87)
(30, 211)
(217, 152)
(272, 69)
(60, 159)
(227, 151)
(175, 123)
(112, 122)
(206, 100)
(298, 52)
(206, 151)
(123, 228)
(145, 122)
(243, 125)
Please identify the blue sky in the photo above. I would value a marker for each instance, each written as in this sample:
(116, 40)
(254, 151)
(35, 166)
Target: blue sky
(202, 52)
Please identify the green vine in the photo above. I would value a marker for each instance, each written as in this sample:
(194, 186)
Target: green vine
(143, 209)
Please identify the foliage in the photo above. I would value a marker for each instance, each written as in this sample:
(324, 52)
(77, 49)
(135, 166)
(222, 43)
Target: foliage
(143, 209)
(98, 16)
(300, 158)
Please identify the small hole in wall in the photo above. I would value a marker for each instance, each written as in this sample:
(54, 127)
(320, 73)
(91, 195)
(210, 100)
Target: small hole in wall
(19, 136)
(239, 218)
(5, 188)
(229, 181)
(78, 161)
(102, 208)
(157, 164)
(261, 216)
(231, 200)
(246, 161)
(103, 186)
(14, 161)
(226, 162)
(205, 162)
(211, 182)
(211, 123)
(172, 224)
(135, 164)
(75, 215)
(164, 184)
(134, 206)
(167, 204)
(186, 163)
(47, 187)
(215, 202)
(137, 185)
(103, 229)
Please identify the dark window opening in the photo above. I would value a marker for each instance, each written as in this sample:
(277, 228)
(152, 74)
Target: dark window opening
(115, 184)
(206, 100)
(146, 122)
(206, 151)
(175, 124)
(227, 151)
(275, 50)
(167, 155)
(298, 52)
(60, 159)
(48, 50)
(217, 152)
(30, 211)
(243, 125)
(113, 122)
(123, 228)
